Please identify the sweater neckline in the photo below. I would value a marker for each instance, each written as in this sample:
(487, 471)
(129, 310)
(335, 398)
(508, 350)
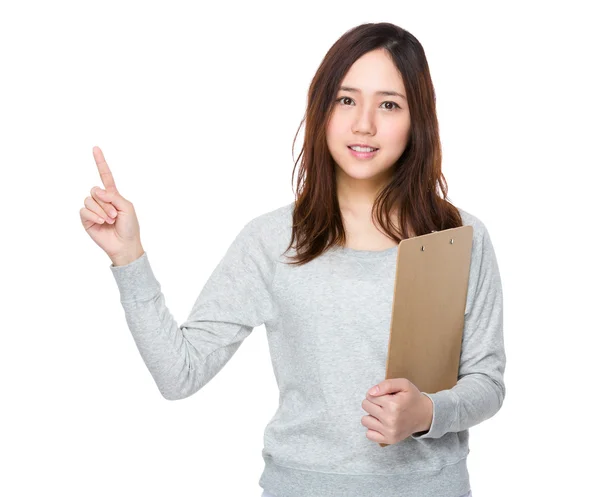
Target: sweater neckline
(365, 254)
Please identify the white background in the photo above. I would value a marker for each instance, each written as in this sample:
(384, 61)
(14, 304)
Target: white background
(195, 106)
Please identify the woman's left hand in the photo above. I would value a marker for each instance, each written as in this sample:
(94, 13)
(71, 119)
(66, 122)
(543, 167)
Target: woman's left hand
(396, 411)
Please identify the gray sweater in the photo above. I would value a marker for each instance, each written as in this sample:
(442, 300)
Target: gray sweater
(327, 325)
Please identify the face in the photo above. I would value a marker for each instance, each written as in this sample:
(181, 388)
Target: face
(364, 116)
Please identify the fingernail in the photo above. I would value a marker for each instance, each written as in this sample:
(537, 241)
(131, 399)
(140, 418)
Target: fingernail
(374, 390)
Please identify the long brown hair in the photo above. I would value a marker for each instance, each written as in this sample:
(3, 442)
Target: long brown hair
(412, 192)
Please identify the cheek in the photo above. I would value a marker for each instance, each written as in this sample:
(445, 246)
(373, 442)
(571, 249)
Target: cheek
(396, 138)
(334, 130)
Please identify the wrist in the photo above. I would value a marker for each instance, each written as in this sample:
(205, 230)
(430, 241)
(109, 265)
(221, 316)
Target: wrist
(128, 257)
(427, 413)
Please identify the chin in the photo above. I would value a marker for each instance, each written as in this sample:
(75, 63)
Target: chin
(361, 171)
(362, 175)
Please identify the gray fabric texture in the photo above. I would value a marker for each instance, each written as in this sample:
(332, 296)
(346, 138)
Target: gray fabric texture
(327, 325)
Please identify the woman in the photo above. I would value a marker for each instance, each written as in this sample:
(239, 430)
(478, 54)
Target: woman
(319, 273)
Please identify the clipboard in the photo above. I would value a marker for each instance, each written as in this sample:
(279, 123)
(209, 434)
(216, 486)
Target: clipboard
(428, 310)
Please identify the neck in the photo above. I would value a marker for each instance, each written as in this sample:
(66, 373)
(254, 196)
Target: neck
(357, 195)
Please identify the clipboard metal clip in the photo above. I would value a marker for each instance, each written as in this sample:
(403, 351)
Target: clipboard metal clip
(435, 231)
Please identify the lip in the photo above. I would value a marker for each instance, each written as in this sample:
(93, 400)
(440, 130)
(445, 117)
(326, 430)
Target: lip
(362, 155)
(362, 145)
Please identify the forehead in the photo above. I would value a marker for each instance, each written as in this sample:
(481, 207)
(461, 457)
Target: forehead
(374, 72)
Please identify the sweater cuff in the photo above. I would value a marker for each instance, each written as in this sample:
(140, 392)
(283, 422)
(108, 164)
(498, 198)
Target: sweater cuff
(135, 280)
(444, 412)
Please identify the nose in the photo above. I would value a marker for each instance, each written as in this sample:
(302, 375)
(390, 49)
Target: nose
(364, 123)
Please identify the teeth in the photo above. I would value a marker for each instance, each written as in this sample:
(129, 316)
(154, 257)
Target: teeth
(363, 149)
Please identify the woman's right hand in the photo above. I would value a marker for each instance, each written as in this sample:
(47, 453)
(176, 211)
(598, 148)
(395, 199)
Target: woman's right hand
(110, 219)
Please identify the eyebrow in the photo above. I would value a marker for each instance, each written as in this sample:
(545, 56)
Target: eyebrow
(380, 92)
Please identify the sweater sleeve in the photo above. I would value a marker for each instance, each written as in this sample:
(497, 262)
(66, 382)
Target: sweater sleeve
(480, 390)
(235, 299)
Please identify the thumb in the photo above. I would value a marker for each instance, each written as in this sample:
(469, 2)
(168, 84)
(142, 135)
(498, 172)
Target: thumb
(115, 198)
(389, 386)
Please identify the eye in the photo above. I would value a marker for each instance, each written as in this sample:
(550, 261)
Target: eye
(343, 98)
(387, 102)
(390, 102)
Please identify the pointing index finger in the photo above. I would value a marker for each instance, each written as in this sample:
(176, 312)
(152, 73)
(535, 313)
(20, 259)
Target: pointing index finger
(105, 174)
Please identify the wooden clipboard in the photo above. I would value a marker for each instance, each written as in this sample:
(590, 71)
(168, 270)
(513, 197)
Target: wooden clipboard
(428, 310)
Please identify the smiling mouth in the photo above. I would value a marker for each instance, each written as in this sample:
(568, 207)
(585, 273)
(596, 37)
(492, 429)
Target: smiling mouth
(374, 149)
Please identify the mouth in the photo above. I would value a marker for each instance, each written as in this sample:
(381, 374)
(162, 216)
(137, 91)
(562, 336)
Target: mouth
(363, 155)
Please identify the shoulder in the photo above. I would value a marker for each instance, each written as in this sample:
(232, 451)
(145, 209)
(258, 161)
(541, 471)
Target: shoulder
(482, 252)
(483, 248)
(276, 219)
(270, 231)
(469, 219)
